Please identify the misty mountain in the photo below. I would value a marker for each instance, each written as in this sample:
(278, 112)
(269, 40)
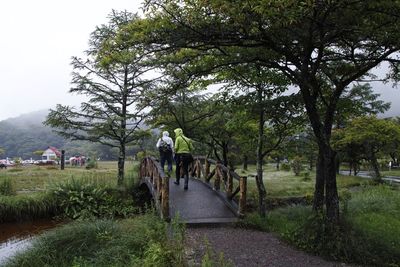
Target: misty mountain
(22, 135)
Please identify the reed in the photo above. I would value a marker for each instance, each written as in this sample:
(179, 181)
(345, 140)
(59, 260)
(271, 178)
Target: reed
(27, 207)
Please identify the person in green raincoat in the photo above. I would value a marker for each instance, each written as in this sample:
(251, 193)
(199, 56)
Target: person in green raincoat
(183, 150)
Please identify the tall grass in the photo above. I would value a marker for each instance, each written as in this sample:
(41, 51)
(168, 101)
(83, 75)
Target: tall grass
(141, 241)
(75, 193)
(369, 232)
(6, 187)
(27, 207)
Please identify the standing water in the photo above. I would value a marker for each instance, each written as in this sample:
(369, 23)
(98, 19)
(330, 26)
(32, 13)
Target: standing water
(15, 237)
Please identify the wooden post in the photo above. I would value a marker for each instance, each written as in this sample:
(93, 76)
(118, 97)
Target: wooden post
(165, 198)
(217, 182)
(230, 185)
(198, 169)
(207, 171)
(242, 198)
(62, 159)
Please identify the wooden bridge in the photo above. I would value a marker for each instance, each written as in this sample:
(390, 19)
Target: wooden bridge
(216, 194)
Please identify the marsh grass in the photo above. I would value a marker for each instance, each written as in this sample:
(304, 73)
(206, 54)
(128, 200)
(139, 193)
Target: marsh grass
(141, 241)
(369, 232)
(6, 187)
(27, 207)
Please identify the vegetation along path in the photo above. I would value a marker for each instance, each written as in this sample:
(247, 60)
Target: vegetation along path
(248, 248)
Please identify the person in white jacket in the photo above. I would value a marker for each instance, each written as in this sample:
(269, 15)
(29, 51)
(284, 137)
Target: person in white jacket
(166, 147)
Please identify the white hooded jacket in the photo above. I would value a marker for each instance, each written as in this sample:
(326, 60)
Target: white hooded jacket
(166, 139)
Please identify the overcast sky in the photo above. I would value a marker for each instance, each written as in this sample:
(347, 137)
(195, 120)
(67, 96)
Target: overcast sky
(38, 39)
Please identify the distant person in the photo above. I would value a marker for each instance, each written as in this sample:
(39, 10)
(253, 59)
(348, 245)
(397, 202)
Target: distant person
(165, 146)
(183, 149)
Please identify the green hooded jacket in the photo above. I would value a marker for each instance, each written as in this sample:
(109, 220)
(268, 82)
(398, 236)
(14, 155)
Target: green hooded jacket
(182, 143)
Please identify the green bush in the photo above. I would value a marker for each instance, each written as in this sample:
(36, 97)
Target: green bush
(285, 167)
(84, 199)
(91, 164)
(296, 165)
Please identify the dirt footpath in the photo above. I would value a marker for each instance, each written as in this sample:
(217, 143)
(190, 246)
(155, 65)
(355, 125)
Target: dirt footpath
(248, 248)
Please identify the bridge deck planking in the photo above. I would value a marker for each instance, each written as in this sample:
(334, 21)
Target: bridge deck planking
(198, 204)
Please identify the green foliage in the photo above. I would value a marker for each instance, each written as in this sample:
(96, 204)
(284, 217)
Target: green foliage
(92, 164)
(141, 241)
(6, 187)
(296, 165)
(84, 199)
(285, 167)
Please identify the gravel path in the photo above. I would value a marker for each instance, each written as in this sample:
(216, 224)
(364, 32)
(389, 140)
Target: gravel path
(248, 248)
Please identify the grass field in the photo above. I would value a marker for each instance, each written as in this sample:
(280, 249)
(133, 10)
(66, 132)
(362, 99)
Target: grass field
(29, 179)
(286, 184)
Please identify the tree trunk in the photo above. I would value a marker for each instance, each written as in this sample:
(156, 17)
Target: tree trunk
(278, 161)
(245, 162)
(337, 163)
(225, 154)
(121, 165)
(262, 193)
(375, 166)
(318, 203)
(326, 181)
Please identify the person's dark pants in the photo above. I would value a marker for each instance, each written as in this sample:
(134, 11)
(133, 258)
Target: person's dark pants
(166, 156)
(185, 160)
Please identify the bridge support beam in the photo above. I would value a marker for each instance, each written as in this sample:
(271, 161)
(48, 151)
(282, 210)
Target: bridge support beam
(242, 198)
(165, 199)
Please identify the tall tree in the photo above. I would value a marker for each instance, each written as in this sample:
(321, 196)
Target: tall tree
(371, 134)
(114, 84)
(320, 46)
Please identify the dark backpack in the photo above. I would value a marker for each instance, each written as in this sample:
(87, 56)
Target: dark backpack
(164, 147)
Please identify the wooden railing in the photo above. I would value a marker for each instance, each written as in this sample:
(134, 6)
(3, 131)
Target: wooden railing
(231, 186)
(151, 173)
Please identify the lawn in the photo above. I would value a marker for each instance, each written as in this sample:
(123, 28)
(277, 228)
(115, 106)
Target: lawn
(286, 184)
(29, 179)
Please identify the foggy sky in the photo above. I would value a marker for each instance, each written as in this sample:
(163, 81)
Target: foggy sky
(38, 39)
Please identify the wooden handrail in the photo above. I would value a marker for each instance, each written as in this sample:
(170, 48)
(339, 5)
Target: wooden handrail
(150, 172)
(201, 168)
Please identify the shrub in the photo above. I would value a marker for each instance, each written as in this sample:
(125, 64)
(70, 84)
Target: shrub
(296, 165)
(92, 164)
(285, 167)
(83, 199)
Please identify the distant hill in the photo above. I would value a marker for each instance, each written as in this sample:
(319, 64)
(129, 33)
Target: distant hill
(22, 135)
